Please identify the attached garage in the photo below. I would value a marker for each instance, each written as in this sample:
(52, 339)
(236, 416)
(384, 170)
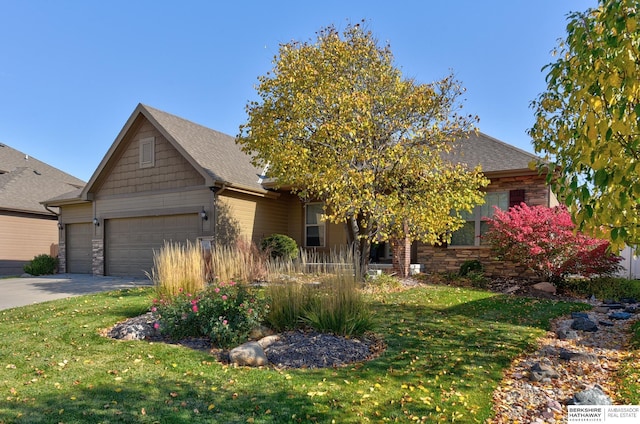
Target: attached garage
(130, 242)
(78, 245)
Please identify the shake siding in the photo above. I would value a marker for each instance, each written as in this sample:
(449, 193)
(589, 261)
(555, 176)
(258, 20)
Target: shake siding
(171, 170)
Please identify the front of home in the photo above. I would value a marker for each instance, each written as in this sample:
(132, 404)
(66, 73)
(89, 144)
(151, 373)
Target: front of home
(168, 179)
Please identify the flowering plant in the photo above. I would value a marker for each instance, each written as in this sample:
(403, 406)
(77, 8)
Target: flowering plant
(226, 312)
(545, 241)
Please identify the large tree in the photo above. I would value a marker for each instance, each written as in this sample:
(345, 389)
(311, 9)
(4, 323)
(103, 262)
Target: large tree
(338, 123)
(588, 120)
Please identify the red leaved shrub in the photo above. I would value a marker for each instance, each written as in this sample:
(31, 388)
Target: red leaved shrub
(545, 241)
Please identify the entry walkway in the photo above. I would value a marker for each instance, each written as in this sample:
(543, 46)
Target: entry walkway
(25, 291)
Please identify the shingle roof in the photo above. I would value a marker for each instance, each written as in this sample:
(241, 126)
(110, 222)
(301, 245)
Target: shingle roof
(26, 181)
(490, 153)
(216, 153)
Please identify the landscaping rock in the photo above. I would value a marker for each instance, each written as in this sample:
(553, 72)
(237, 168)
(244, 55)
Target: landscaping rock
(565, 334)
(249, 354)
(628, 300)
(540, 372)
(568, 355)
(593, 396)
(545, 287)
(601, 309)
(605, 323)
(575, 315)
(620, 315)
(632, 309)
(267, 341)
(613, 305)
(584, 324)
(137, 328)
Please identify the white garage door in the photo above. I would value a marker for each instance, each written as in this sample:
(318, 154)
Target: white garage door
(78, 248)
(129, 242)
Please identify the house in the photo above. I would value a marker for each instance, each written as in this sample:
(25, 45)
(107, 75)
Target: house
(168, 179)
(27, 228)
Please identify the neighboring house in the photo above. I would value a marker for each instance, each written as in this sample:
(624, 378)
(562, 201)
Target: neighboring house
(168, 179)
(27, 228)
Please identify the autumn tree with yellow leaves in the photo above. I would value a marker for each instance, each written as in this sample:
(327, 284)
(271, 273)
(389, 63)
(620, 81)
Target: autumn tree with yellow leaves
(588, 120)
(336, 122)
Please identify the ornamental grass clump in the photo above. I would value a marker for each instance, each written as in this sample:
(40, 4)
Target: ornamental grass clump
(226, 312)
(178, 268)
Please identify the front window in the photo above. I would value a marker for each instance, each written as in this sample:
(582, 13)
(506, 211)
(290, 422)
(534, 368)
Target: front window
(314, 225)
(470, 234)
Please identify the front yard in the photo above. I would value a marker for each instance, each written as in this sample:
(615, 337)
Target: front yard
(447, 349)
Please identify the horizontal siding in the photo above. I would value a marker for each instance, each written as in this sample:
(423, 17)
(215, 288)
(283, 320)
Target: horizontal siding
(22, 238)
(76, 213)
(121, 206)
(256, 217)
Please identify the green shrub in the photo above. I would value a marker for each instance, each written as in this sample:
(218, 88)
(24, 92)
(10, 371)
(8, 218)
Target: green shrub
(383, 282)
(41, 265)
(225, 312)
(603, 287)
(470, 266)
(280, 246)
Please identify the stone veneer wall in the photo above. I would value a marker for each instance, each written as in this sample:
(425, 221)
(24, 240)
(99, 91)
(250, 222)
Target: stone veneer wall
(62, 257)
(97, 264)
(437, 259)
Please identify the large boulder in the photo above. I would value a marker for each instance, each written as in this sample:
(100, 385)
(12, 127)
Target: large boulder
(584, 324)
(593, 396)
(249, 354)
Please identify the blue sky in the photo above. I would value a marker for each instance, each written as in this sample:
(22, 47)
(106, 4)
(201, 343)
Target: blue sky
(71, 72)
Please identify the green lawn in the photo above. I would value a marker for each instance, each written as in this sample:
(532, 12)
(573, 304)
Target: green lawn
(447, 349)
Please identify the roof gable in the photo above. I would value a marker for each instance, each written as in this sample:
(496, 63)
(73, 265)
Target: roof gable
(215, 155)
(25, 182)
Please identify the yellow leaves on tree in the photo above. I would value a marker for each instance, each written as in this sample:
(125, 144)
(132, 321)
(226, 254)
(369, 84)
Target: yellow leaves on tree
(337, 122)
(587, 122)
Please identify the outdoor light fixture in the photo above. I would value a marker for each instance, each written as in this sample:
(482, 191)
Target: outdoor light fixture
(96, 222)
(203, 215)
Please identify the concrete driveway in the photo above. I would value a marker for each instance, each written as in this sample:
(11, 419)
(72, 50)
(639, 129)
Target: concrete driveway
(27, 290)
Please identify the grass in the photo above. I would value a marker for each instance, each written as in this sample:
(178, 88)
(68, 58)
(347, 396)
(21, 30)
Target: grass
(446, 351)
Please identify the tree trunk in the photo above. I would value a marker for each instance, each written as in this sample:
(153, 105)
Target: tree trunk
(401, 254)
(360, 242)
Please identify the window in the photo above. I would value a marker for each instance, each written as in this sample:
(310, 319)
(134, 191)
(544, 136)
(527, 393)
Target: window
(147, 152)
(314, 229)
(469, 234)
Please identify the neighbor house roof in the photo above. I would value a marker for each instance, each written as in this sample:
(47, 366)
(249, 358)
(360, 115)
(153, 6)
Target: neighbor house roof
(26, 181)
(494, 156)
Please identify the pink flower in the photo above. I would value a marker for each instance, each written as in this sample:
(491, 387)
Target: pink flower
(156, 325)
(154, 309)
(194, 308)
(180, 289)
(250, 311)
(224, 297)
(217, 290)
(232, 283)
(225, 322)
(194, 301)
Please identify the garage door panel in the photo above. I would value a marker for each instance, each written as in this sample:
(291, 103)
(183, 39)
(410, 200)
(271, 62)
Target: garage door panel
(130, 242)
(78, 248)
